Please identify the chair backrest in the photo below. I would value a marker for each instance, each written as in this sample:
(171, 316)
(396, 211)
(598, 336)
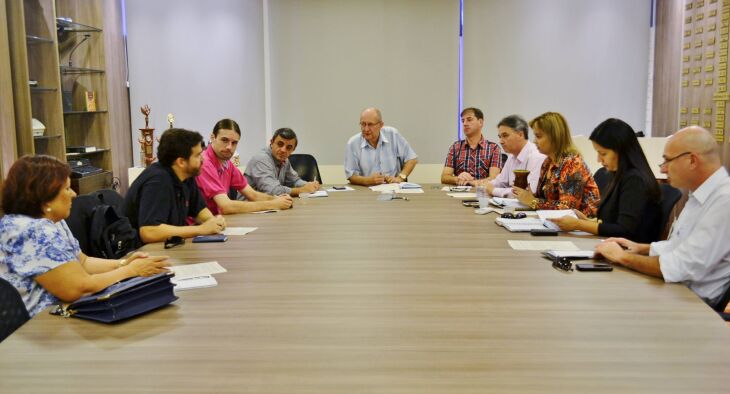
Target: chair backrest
(306, 166)
(82, 210)
(603, 179)
(504, 158)
(722, 303)
(670, 196)
(13, 313)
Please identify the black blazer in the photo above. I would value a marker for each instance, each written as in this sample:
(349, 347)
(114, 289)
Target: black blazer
(627, 212)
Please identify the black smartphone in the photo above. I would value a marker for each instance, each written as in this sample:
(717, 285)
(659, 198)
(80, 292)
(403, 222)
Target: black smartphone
(594, 267)
(339, 188)
(543, 231)
(210, 238)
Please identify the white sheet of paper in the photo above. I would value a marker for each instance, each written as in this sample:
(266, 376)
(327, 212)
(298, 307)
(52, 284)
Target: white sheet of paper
(462, 195)
(197, 282)
(542, 245)
(239, 230)
(195, 270)
(409, 191)
(555, 213)
(347, 189)
(386, 187)
(318, 193)
(584, 254)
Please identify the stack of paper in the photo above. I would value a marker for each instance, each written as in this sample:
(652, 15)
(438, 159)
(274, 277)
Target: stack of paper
(403, 187)
(195, 276)
(544, 215)
(521, 225)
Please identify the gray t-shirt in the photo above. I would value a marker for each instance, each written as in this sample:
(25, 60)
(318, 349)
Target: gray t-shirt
(264, 174)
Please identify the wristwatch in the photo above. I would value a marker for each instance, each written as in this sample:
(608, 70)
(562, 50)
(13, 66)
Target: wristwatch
(403, 176)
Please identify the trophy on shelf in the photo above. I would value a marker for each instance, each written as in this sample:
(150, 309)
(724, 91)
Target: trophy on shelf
(147, 138)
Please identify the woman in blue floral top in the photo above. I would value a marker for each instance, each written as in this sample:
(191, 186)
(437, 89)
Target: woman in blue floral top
(38, 253)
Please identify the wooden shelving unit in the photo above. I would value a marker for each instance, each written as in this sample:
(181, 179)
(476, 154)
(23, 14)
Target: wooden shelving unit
(59, 44)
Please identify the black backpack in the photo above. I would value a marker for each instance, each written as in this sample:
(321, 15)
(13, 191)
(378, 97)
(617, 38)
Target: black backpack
(111, 235)
(101, 230)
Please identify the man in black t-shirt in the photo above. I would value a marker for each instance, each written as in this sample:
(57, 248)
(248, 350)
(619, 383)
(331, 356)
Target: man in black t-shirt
(160, 201)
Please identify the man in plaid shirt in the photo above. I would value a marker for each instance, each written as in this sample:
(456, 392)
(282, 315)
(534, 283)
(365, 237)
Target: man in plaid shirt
(474, 158)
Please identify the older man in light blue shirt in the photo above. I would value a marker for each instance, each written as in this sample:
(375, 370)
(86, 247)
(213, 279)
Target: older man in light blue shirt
(378, 154)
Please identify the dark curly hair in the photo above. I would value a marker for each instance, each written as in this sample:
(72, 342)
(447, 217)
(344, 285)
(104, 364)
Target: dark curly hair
(176, 143)
(31, 182)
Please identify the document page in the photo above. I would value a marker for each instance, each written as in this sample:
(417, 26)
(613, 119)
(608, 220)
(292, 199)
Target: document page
(239, 230)
(197, 282)
(542, 245)
(195, 270)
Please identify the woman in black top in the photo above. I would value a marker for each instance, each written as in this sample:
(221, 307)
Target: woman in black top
(630, 206)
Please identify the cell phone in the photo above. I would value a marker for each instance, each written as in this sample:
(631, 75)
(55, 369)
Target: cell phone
(470, 203)
(210, 238)
(543, 231)
(339, 188)
(594, 267)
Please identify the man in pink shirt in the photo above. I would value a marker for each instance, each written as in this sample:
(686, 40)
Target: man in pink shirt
(218, 175)
(523, 155)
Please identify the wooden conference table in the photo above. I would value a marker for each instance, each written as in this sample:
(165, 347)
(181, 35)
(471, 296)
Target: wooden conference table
(348, 294)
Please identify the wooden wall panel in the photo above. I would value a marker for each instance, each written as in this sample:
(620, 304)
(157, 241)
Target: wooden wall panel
(7, 112)
(117, 93)
(667, 67)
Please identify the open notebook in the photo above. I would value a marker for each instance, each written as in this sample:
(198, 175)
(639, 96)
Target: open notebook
(540, 222)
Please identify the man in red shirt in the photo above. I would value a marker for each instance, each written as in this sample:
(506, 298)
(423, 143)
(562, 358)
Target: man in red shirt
(218, 175)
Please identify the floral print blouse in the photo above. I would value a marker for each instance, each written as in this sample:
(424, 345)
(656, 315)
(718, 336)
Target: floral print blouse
(567, 184)
(30, 247)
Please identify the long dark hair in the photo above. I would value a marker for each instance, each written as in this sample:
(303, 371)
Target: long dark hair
(617, 135)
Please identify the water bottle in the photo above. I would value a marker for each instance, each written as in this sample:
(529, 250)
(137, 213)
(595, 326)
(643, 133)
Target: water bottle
(482, 196)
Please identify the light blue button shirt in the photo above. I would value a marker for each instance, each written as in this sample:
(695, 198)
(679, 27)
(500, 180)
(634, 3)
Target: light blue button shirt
(387, 157)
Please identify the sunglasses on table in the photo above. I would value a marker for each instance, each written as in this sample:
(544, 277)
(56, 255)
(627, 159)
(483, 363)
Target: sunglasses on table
(563, 264)
(510, 215)
(174, 241)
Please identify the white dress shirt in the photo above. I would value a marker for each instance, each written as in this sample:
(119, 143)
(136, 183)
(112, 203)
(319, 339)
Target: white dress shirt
(697, 252)
(528, 159)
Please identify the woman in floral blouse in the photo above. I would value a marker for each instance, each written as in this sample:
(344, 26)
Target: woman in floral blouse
(38, 253)
(565, 181)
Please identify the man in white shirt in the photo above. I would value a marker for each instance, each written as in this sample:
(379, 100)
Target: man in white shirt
(523, 155)
(697, 252)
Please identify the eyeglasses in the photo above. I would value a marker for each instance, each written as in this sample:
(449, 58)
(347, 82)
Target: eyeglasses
(667, 161)
(563, 264)
(174, 241)
(510, 215)
(369, 125)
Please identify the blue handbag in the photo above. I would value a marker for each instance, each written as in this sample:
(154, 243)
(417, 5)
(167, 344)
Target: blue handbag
(123, 300)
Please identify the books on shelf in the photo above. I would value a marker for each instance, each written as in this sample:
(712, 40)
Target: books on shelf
(90, 101)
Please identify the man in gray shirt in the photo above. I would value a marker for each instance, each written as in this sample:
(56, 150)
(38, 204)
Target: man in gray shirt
(270, 172)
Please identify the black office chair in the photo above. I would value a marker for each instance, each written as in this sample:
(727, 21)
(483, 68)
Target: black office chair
(306, 166)
(722, 304)
(504, 158)
(670, 196)
(603, 179)
(82, 209)
(12, 309)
